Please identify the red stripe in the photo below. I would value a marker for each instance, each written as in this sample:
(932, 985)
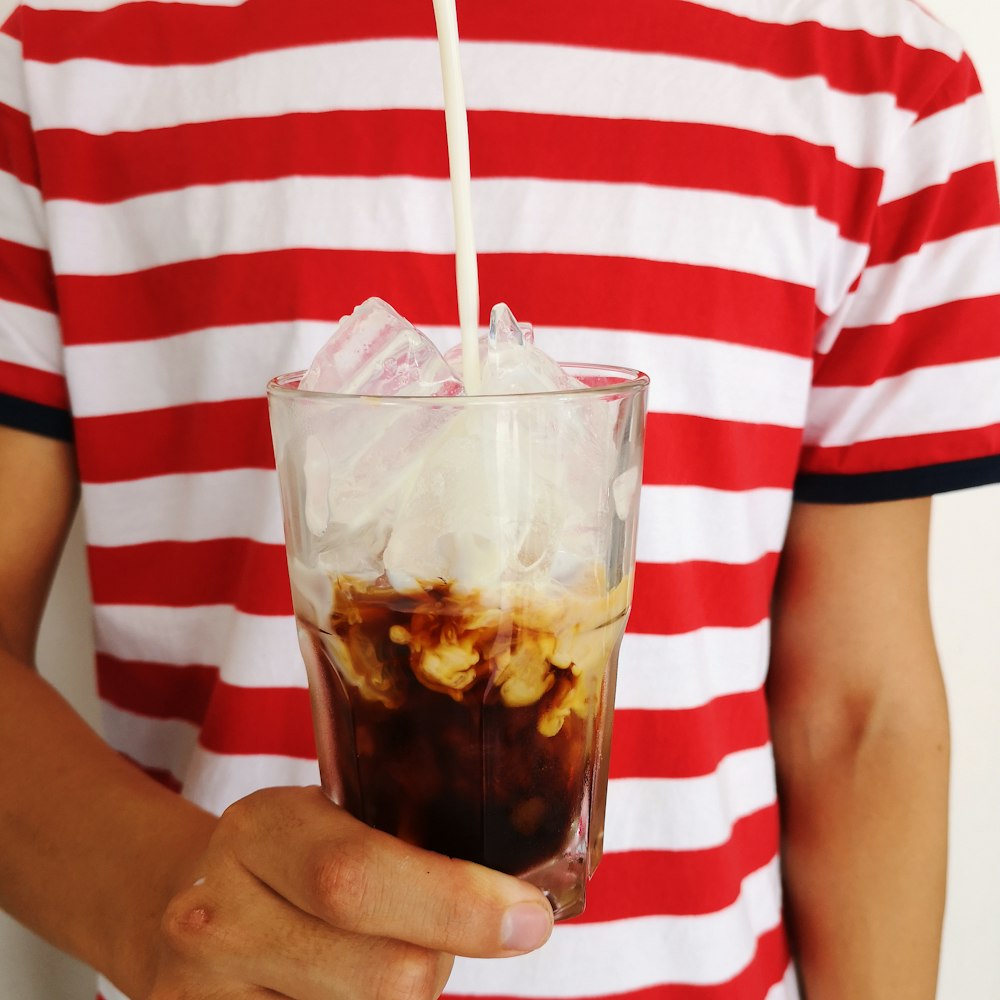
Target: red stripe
(232, 720)
(26, 276)
(967, 201)
(552, 289)
(683, 450)
(251, 576)
(164, 778)
(148, 34)
(672, 598)
(201, 437)
(12, 24)
(17, 152)
(669, 598)
(159, 775)
(961, 84)
(33, 384)
(157, 690)
(687, 743)
(244, 720)
(765, 970)
(252, 288)
(641, 883)
(105, 168)
(952, 333)
(913, 452)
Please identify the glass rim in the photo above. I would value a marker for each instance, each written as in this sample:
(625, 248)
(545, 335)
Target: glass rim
(630, 380)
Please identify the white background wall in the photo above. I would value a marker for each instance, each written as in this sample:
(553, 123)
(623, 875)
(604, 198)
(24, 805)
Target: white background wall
(966, 597)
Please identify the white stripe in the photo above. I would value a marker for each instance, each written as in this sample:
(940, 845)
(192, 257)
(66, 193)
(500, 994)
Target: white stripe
(900, 18)
(30, 337)
(579, 81)
(22, 219)
(688, 375)
(249, 650)
(693, 375)
(788, 988)
(513, 215)
(185, 508)
(108, 990)
(617, 957)
(724, 381)
(939, 146)
(11, 74)
(166, 744)
(965, 266)
(215, 781)
(688, 814)
(682, 523)
(924, 401)
(139, 375)
(678, 523)
(691, 669)
(643, 814)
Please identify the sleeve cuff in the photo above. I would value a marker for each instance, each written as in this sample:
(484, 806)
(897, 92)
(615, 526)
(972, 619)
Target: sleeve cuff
(899, 484)
(25, 415)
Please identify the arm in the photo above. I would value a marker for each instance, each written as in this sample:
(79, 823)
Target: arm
(76, 820)
(860, 730)
(285, 891)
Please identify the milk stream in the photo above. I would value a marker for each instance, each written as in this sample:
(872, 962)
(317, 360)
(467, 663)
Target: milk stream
(457, 126)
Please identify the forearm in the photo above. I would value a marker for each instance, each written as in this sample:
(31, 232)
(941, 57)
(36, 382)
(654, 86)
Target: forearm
(91, 848)
(865, 838)
(860, 728)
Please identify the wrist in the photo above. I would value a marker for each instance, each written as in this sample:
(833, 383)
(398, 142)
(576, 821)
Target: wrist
(169, 860)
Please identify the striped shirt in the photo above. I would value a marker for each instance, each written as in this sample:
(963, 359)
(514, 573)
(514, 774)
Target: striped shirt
(786, 213)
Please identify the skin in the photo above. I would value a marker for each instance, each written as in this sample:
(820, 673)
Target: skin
(861, 738)
(286, 895)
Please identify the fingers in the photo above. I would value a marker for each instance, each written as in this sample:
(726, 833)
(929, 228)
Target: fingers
(229, 929)
(359, 880)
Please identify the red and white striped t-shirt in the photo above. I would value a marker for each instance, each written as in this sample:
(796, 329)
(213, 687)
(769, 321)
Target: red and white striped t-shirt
(786, 213)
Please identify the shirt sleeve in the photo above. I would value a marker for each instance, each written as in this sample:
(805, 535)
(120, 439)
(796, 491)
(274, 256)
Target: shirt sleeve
(906, 385)
(33, 394)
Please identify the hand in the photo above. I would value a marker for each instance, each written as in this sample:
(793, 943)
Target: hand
(295, 898)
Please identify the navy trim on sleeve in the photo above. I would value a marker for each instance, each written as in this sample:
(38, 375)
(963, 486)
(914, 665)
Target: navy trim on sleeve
(901, 484)
(24, 415)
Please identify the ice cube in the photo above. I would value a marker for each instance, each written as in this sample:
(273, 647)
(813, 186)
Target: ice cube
(514, 365)
(454, 355)
(511, 492)
(510, 362)
(375, 352)
(485, 507)
(353, 476)
(623, 489)
(476, 496)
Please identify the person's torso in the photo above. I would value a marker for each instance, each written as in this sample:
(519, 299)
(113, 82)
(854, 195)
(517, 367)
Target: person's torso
(687, 189)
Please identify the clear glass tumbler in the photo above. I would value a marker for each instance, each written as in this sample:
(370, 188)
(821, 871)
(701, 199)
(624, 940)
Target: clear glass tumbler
(461, 572)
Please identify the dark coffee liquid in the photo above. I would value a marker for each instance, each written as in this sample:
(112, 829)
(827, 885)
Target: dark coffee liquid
(457, 770)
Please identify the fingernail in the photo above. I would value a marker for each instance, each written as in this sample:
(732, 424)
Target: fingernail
(525, 926)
